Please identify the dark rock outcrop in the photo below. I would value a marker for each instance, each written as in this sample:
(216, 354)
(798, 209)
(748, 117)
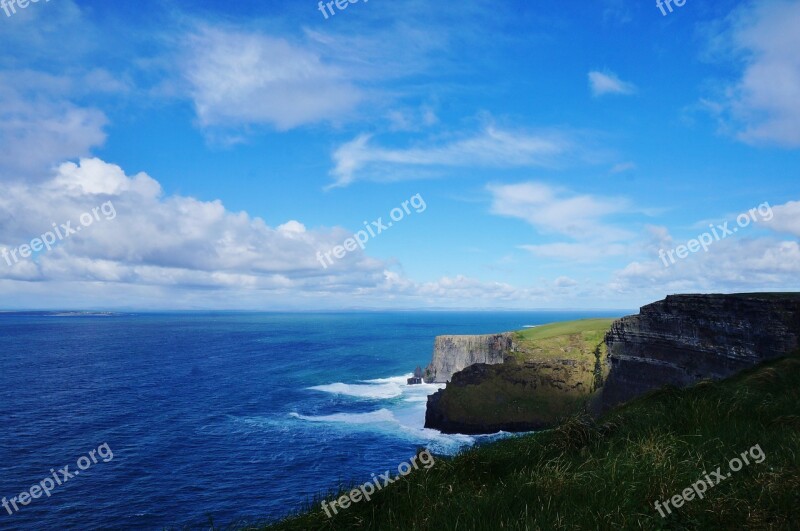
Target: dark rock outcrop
(687, 338)
(510, 397)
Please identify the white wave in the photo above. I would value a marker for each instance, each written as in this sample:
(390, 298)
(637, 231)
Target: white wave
(372, 417)
(399, 380)
(403, 418)
(378, 392)
(381, 389)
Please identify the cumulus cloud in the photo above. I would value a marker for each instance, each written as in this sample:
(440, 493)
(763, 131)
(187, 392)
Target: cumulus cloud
(171, 240)
(764, 103)
(239, 78)
(603, 83)
(729, 265)
(786, 218)
(732, 264)
(492, 147)
(171, 251)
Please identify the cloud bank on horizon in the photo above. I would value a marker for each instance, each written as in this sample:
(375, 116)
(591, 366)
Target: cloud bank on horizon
(237, 141)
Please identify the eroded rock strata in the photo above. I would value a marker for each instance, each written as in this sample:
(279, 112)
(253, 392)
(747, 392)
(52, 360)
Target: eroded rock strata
(687, 338)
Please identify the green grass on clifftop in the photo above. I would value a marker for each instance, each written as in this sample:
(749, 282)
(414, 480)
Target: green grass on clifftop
(608, 474)
(571, 340)
(597, 327)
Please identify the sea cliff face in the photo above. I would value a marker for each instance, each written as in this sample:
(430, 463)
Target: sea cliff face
(454, 353)
(687, 338)
(539, 378)
(534, 383)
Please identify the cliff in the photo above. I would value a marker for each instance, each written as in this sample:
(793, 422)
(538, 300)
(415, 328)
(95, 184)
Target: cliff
(510, 397)
(546, 374)
(538, 377)
(687, 338)
(454, 353)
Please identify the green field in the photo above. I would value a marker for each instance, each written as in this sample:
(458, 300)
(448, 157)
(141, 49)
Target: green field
(608, 474)
(594, 327)
(572, 340)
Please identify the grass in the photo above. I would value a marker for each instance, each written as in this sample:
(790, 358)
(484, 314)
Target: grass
(608, 474)
(574, 340)
(597, 327)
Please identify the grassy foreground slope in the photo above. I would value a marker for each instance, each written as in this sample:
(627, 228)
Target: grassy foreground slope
(608, 474)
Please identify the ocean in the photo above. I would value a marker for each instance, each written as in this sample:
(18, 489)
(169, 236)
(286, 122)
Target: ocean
(230, 417)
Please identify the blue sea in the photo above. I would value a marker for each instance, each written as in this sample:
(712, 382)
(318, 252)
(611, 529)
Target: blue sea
(225, 416)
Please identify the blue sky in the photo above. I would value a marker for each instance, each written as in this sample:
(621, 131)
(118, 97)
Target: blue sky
(558, 147)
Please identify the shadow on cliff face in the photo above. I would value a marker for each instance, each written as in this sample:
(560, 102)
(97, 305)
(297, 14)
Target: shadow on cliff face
(514, 396)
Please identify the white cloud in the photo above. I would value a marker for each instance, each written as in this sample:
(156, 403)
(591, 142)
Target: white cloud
(786, 218)
(40, 127)
(359, 159)
(241, 78)
(554, 211)
(180, 252)
(729, 265)
(765, 102)
(171, 240)
(602, 83)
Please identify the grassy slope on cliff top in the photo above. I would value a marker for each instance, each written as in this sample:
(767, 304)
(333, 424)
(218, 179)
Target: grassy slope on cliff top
(568, 340)
(588, 326)
(607, 475)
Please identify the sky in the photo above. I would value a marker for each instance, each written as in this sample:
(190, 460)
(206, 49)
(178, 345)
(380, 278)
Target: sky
(406, 154)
